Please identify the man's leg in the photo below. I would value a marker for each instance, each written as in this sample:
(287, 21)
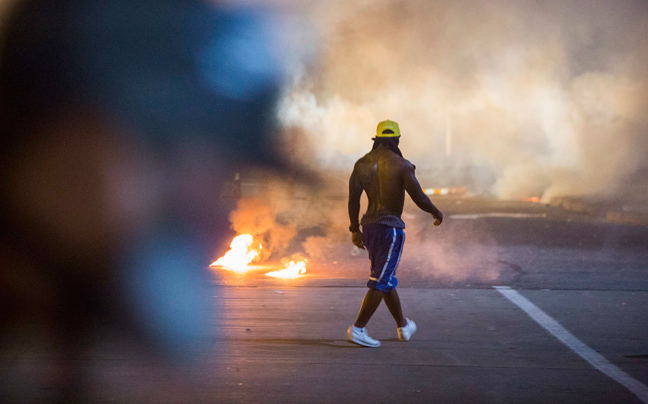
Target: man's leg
(394, 305)
(370, 303)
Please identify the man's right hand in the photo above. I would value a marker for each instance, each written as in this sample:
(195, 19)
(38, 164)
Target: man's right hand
(356, 238)
(439, 219)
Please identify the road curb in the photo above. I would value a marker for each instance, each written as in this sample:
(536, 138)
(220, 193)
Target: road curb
(633, 218)
(574, 205)
(600, 209)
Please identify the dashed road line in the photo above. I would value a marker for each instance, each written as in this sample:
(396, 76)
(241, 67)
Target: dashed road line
(594, 358)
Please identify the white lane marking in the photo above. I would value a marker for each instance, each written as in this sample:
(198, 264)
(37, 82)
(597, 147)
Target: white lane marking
(497, 214)
(594, 358)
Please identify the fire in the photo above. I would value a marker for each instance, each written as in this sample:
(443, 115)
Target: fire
(241, 253)
(293, 270)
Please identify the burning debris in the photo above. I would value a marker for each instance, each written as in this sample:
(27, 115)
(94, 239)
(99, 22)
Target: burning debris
(295, 267)
(242, 252)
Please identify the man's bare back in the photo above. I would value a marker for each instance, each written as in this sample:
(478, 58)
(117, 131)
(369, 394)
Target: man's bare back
(385, 176)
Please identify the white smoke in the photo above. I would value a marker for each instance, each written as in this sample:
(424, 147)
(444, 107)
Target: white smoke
(542, 98)
(539, 99)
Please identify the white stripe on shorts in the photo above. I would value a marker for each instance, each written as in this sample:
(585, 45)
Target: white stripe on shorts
(400, 252)
(388, 255)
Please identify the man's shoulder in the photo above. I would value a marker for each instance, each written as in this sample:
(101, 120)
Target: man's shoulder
(364, 159)
(409, 165)
(402, 162)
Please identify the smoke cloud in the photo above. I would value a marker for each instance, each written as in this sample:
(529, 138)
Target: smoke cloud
(514, 98)
(259, 219)
(509, 98)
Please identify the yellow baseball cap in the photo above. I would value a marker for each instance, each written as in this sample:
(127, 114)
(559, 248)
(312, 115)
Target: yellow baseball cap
(388, 129)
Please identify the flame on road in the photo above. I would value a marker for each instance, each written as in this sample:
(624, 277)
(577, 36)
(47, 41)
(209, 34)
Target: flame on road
(293, 270)
(241, 253)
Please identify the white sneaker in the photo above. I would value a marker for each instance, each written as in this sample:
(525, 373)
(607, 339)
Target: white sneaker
(405, 333)
(359, 336)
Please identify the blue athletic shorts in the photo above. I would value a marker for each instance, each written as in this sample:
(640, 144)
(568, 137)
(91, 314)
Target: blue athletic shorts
(385, 245)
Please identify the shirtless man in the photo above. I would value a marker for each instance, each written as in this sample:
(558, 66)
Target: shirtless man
(384, 175)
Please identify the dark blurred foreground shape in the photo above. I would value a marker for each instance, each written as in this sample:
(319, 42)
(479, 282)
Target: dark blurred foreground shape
(120, 122)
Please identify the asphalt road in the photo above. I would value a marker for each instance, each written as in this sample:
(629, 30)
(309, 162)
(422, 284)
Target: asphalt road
(284, 340)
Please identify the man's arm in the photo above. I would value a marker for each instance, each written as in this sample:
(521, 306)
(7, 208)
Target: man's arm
(355, 192)
(415, 192)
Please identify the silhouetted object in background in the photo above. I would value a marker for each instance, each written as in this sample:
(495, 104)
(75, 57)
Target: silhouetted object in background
(121, 120)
